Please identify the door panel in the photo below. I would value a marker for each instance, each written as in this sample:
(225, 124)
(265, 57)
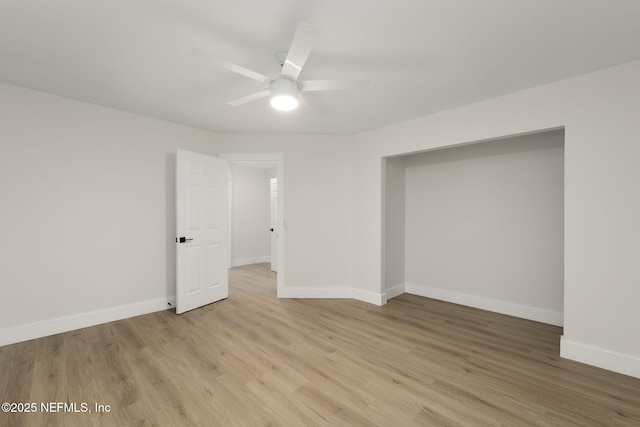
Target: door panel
(213, 253)
(193, 268)
(193, 208)
(201, 215)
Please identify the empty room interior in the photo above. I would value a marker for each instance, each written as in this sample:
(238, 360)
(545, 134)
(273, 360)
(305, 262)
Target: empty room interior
(320, 213)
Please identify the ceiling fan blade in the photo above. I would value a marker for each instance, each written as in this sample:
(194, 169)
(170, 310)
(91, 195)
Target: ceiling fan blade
(303, 42)
(229, 66)
(303, 102)
(249, 98)
(343, 84)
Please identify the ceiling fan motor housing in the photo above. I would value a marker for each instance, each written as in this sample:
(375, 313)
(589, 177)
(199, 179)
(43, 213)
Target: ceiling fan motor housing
(284, 94)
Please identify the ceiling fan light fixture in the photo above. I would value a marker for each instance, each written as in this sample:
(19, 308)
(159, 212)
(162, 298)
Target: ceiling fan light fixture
(284, 95)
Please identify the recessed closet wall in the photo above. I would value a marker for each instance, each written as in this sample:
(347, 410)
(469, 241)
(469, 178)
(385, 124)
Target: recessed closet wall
(394, 220)
(483, 225)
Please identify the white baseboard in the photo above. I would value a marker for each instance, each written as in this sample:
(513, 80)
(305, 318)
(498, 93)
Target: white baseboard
(605, 359)
(395, 291)
(370, 297)
(31, 331)
(336, 292)
(512, 309)
(247, 261)
(300, 292)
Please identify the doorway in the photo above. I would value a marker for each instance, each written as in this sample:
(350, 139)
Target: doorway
(261, 176)
(273, 230)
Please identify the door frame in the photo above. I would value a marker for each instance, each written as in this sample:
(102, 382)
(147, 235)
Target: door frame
(278, 158)
(274, 226)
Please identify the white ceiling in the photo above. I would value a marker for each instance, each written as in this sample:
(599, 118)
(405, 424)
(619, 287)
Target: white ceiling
(422, 56)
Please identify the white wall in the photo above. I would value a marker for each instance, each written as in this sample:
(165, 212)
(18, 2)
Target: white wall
(318, 191)
(251, 215)
(88, 212)
(394, 223)
(485, 222)
(602, 203)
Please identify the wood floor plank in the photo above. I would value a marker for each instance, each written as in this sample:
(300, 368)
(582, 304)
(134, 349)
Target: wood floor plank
(256, 360)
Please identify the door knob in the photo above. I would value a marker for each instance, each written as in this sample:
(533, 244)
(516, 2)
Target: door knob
(183, 239)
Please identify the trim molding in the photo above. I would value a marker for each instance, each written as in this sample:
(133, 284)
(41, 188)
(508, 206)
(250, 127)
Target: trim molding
(396, 291)
(295, 292)
(15, 334)
(246, 261)
(342, 292)
(31, 331)
(605, 359)
(512, 309)
(370, 297)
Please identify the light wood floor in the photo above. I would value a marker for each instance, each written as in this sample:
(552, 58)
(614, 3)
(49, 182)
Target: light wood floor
(256, 360)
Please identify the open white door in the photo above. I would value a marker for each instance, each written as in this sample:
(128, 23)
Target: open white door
(202, 233)
(274, 224)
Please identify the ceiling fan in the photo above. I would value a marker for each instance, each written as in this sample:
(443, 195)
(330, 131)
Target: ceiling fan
(284, 89)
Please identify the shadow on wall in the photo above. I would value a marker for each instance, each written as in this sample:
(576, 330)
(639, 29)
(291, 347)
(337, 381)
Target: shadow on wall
(489, 150)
